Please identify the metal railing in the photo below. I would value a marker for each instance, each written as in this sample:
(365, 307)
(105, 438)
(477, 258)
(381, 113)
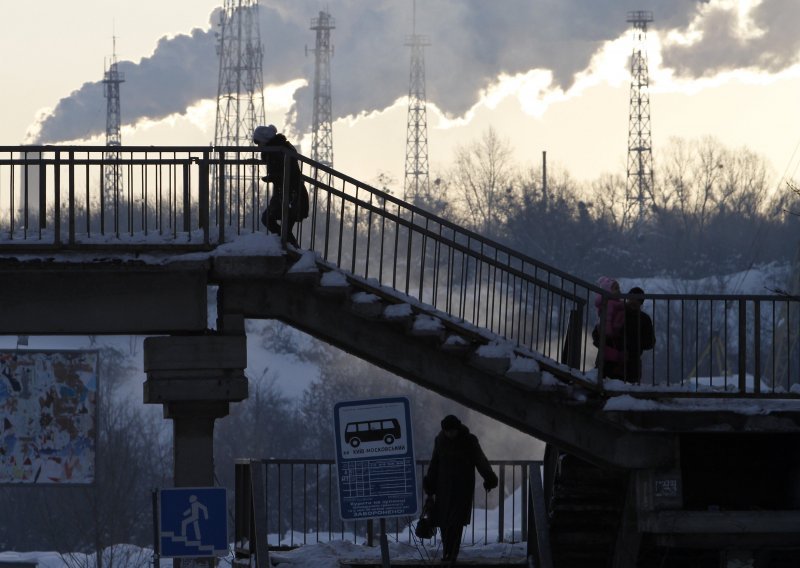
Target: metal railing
(299, 505)
(195, 198)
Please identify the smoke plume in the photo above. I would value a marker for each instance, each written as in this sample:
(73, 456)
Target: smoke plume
(472, 42)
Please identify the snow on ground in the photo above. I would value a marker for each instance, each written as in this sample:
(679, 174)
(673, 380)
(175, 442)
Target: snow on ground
(321, 555)
(329, 553)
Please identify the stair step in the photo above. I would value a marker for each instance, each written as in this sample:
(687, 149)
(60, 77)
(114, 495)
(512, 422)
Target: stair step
(427, 327)
(311, 278)
(334, 283)
(528, 379)
(456, 344)
(366, 305)
(497, 365)
(400, 314)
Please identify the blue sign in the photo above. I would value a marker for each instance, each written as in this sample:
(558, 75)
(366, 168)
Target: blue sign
(375, 459)
(193, 522)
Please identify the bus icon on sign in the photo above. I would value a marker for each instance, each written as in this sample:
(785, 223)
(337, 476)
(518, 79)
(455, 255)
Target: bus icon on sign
(387, 430)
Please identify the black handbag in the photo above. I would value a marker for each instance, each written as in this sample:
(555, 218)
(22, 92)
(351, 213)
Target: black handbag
(426, 525)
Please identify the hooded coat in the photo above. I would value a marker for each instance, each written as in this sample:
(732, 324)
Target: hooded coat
(614, 321)
(451, 476)
(298, 204)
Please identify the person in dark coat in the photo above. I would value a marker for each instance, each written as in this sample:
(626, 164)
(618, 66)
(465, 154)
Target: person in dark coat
(451, 480)
(638, 336)
(269, 137)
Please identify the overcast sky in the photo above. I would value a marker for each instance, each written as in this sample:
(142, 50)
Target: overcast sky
(546, 74)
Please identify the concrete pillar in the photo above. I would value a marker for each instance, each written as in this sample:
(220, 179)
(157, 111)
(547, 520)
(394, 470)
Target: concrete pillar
(193, 436)
(195, 378)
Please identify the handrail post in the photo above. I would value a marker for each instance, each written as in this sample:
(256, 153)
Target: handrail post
(742, 346)
(42, 195)
(757, 347)
(285, 195)
(56, 200)
(538, 530)
(571, 353)
(203, 196)
(601, 342)
(71, 190)
(501, 512)
(221, 197)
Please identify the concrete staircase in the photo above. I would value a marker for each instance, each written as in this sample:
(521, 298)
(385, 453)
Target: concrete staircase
(520, 388)
(585, 504)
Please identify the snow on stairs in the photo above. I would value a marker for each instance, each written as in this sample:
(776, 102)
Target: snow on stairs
(371, 301)
(445, 336)
(585, 508)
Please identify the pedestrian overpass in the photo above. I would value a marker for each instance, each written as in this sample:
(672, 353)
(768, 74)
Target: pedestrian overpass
(698, 461)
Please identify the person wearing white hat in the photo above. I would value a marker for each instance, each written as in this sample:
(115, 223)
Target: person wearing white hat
(269, 137)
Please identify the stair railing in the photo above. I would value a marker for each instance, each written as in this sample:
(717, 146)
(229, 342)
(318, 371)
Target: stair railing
(174, 199)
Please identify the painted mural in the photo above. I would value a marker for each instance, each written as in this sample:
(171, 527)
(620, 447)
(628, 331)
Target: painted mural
(47, 416)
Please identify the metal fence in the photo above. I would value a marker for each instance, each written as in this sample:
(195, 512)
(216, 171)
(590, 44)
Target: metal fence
(195, 198)
(299, 504)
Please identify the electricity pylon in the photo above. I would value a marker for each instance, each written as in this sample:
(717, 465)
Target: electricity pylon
(240, 104)
(240, 92)
(112, 175)
(322, 128)
(416, 171)
(640, 147)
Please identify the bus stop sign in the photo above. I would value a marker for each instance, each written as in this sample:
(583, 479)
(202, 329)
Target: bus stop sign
(375, 458)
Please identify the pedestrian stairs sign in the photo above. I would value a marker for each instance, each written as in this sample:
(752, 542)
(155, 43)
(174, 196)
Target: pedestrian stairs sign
(192, 522)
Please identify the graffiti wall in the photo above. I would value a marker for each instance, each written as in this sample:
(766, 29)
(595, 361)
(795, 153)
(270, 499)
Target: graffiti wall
(47, 416)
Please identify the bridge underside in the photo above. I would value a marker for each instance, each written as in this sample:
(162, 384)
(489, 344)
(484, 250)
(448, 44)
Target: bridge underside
(718, 479)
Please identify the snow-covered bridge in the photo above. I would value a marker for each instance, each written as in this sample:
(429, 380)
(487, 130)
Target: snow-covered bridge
(131, 240)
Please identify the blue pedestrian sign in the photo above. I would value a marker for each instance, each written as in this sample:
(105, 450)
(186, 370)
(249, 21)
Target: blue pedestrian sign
(375, 458)
(193, 522)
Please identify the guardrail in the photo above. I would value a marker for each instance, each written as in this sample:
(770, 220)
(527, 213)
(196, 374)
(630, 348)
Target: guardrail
(195, 198)
(282, 503)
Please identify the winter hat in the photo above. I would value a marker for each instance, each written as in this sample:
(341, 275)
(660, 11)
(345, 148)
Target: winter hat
(450, 422)
(263, 134)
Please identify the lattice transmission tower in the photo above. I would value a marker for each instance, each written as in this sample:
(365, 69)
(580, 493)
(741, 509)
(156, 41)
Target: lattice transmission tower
(640, 146)
(112, 78)
(417, 180)
(240, 92)
(322, 128)
(240, 107)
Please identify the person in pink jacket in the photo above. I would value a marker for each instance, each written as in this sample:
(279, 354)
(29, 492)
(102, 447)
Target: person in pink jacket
(613, 324)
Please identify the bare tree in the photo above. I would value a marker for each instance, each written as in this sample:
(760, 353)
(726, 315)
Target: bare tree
(483, 179)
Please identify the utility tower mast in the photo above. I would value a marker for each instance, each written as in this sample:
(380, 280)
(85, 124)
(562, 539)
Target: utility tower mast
(112, 78)
(240, 93)
(416, 172)
(322, 134)
(640, 150)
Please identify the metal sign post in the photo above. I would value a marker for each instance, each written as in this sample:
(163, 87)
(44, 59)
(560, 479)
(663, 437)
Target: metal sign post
(375, 461)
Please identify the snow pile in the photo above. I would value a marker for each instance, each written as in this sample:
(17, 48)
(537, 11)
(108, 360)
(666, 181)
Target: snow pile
(524, 365)
(761, 407)
(496, 350)
(398, 311)
(364, 298)
(428, 323)
(251, 244)
(333, 279)
(307, 263)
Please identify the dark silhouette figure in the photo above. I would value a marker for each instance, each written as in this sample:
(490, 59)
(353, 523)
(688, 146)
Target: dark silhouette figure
(269, 137)
(638, 336)
(635, 336)
(613, 321)
(451, 480)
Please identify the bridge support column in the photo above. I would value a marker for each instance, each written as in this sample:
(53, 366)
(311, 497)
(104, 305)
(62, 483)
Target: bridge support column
(195, 378)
